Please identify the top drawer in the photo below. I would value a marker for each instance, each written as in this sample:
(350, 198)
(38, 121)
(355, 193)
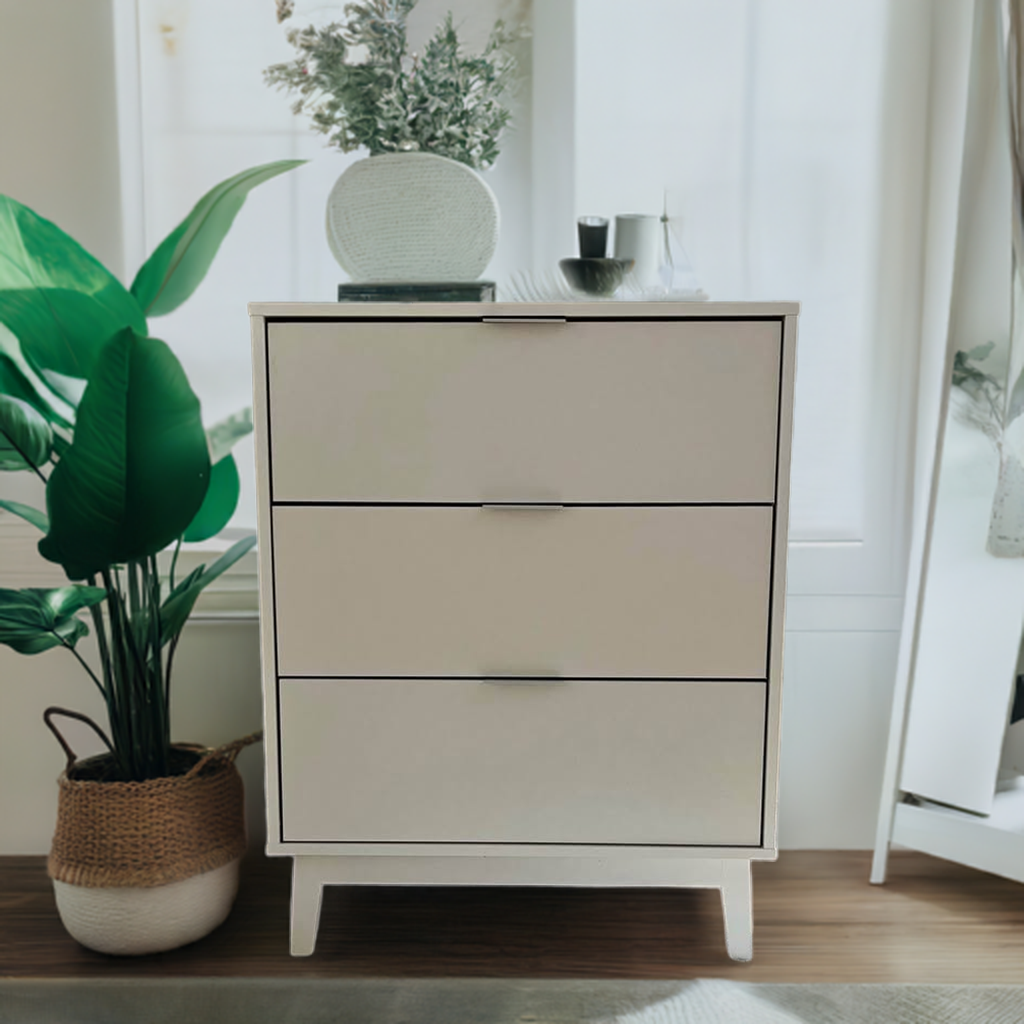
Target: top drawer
(579, 412)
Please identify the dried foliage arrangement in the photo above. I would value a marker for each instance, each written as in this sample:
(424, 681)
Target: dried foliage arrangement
(361, 87)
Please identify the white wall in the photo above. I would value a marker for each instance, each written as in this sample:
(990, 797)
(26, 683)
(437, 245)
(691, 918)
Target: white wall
(58, 123)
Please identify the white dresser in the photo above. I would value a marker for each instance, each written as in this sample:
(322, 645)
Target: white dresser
(522, 581)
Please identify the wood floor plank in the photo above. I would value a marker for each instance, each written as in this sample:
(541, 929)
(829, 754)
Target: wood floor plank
(816, 919)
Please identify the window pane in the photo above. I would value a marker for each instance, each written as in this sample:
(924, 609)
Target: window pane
(762, 121)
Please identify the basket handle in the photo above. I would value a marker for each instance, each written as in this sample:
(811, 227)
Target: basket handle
(229, 751)
(48, 719)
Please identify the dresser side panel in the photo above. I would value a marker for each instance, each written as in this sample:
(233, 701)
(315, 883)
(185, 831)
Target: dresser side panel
(777, 630)
(264, 529)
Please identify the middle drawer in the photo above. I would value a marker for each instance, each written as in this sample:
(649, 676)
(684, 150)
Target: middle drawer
(639, 591)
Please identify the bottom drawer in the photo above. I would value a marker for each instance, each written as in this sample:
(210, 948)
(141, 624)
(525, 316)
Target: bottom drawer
(461, 760)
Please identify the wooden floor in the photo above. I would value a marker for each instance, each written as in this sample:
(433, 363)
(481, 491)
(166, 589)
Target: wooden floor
(816, 919)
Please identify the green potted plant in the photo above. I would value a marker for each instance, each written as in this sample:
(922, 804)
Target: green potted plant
(150, 832)
(416, 208)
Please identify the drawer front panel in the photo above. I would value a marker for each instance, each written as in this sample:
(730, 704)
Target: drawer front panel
(440, 760)
(665, 592)
(639, 412)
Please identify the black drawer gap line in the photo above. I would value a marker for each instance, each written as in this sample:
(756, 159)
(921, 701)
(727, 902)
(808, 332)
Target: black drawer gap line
(328, 503)
(300, 677)
(478, 318)
(639, 847)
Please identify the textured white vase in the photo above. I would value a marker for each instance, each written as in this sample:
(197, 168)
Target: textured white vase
(128, 921)
(412, 217)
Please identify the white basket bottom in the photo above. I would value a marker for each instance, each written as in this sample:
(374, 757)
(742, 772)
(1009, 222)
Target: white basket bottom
(135, 921)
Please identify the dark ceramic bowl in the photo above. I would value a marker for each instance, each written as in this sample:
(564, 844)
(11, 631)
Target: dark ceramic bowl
(594, 275)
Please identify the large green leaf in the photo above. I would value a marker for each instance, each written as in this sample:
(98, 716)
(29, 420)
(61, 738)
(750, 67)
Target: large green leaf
(60, 302)
(138, 469)
(25, 437)
(173, 272)
(28, 513)
(18, 381)
(68, 389)
(15, 384)
(60, 444)
(35, 620)
(220, 502)
(176, 609)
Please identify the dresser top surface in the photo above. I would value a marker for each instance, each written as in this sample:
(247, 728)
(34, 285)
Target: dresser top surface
(606, 310)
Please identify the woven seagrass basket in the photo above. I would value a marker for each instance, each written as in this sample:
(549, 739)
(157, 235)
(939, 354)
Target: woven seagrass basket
(141, 867)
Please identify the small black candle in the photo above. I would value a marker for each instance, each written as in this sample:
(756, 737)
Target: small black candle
(593, 234)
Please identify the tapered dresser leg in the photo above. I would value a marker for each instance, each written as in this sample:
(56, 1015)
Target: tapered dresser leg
(307, 889)
(738, 908)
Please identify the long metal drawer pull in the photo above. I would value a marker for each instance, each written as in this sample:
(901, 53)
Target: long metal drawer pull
(512, 679)
(522, 506)
(524, 320)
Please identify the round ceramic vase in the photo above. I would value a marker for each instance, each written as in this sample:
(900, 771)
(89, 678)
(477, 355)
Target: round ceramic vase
(408, 217)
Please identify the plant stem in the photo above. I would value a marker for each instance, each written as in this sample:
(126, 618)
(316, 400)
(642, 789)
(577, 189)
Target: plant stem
(147, 638)
(170, 662)
(114, 716)
(155, 631)
(83, 663)
(125, 701)
(128, 632)
(149, 703)
(101, 636)
(137, 702)
(131, 571)
(174, 561)
(14, 444)
(174, 639)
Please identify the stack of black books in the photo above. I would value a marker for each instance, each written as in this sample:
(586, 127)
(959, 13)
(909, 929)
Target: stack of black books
(417, 291)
